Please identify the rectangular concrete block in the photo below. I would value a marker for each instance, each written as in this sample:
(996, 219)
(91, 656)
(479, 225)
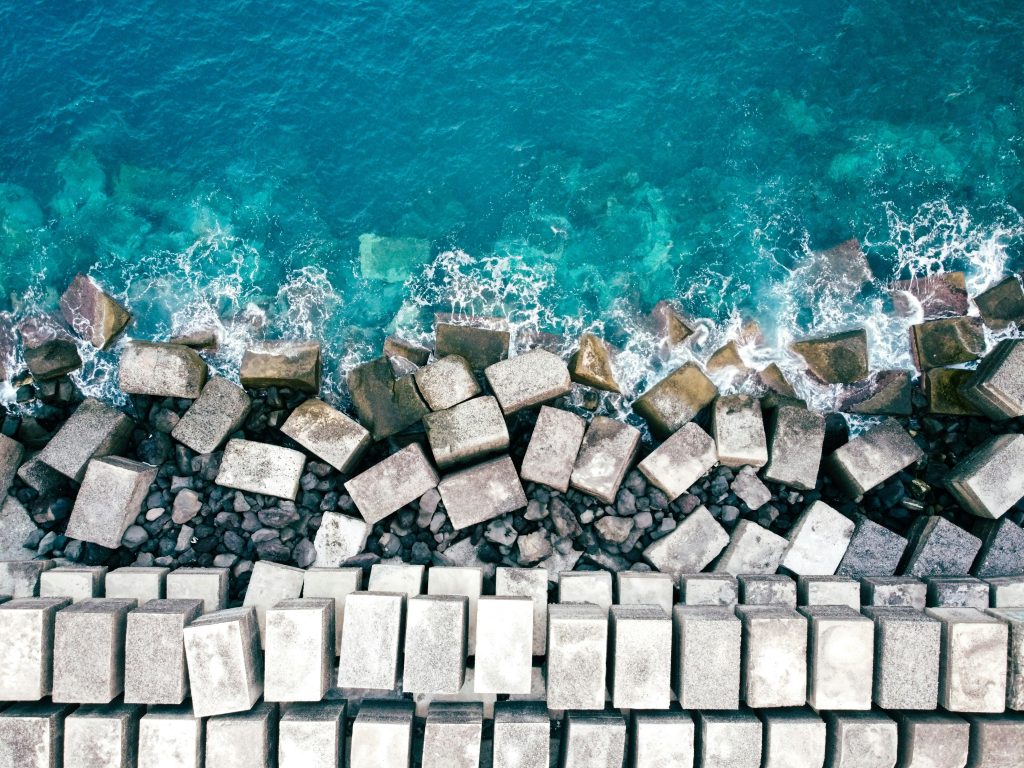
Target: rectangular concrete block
(102, 736)
(990, 479)
(662, 739)
(729, 740)
(774, 666)
(20, 578)
(1014, 619)
(861, 740)
(337, 584)
(1002, 549)
(828, 590)
(339, 538)
(907, 656)
(88, 651)
(504, 651)
(641, 657)
(995, 388)
(842, 657)
(872, 458)
(874, 550)
(973, 672)
(243, 739)
(465, 581)
(531, 583)
(382, 735)
(639, 588)
(893, 592)
(594, 587)
(93, 430)
(793, 738)
(797, 435)
(679, 462)
(155, 670)
(752, 549)
(219, 410)
(269, 584)
(676, 399)
(482, 492)
(767, 589)
(371, 640)
(522, 735)
(1006, 591)
(466, 432)
(161, 370)
(593, 740)
(225, 666)
(554, 443)
(170, 737)
(26, 647)
(528, 379)
(76, 582)
(695, 542)
(997, 741)
(312, 736)
(287, 363)
(957, 592)
(31, 735)
(932, 740)
(706, 665)
(708, 589)
(261, 468)
(109, 500)
(139, 584)
(389, 485)
(299, 650)
(577, 653)
(606, 454)
(453, 735)
(940, 548)
(468, 693)
(394, 577)
(207, 584)
(738, 429)
(435, 644)
(446, 382)
(818, 541)
(11, 454)
(328, 433)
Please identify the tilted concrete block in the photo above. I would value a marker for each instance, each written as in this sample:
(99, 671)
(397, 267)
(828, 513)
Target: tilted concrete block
(774, 668)
(577, 650)
(593, 740)
(874, 550)
(893, 592)
(908, 645)
(695, 542)
(708, 589)
(995, 386)
(793, 738)
(26, 647)
(161, 370)
(828, 590)
(170, 737)
(312, 736)
(328, 433)
(974, 660)
(522, 734)
(641, 656)
(20, 578)
(706, 666)
(842, 656)
(337, 584)
(932, 740)
(287, 363)
(529, 379)
(155, 670)
(88, 651)
(389, 485)
(767, 589)
(729, 739)
(639, 588)
(466, 432)
(94, 430)
(940, 548)
(797, 437)
(957, 592)
(261, 468)
(220, 410)
(818, 541)
(446, 382)
(606, 454)
(680, 461)
(207, 584)
(531, 583)
(339, 538)
(370, 640)
(109, 500)
(861, 740)
(661, 739)
(676, 399)
(299, 650)
(225, 666)
(76, 582)
(269, 584)
(1002, 549)
(738, 429)
(468, 693)
(452, 735)
(394, 577)
(465, 581)
(594, 587)
(139, 584)
(382, 735)
(11, 454)
(873, 457)
(482, 492)
(31, 735)
(990, 479)
(435, 644)
(243, 739)
(752, 549)
(551, 454)
(504, 648)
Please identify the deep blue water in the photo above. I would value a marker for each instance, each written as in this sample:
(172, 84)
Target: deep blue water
(567, 163)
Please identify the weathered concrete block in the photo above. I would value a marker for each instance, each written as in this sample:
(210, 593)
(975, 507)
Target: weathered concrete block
(997, 741)
(818, 541)
(884, 393)
(943, 388)
(957, 592)
(929, 296)
(940, 548)
(738, 429)
(527, 380)
(991, 479)
(482, 492)
(1003, 304)
(76, 582)
(907, 654)
(593, 740)
(752, 549)
(328, 433)
(828, 590)
(695, 542)
(88, 651)
(841, 358)
(102, 736)
(947, 341)
(841, 663)
(155, 670)
(261, 468)
(370, 640)
(382, 735)
(729, 740)
(482, 343)
(706, 667)
(1006, 592)
(874, 550)
(594, 587)
(269, 584)
(793, 739)
(388, 486)
(639, 588)
(31, 735)
(338, 538)
(861, 740)
(996, 387)
(797, 437)
(243, 739)
(767, 589)
(109, 500)
(873, 457)
(312, 736)
(591, 364)
(435, 644)
(452, 736)
(1002, 549)
(93, 430)
(161, 370)
(531, 583)
(467, 694)
(385, 405)
(893, 592)
(774, 668)
(299, 649)
(932, 740)
(708, 589)
(607, 451)
(92, 313)
(11, 454)
(292, 364)
(16, 526)
(466, 432)
(974, 660)
(170, 737)
(577, 650)
(140, 584)
(675, 399)
(40, 477)
(641, 655)
(662, 739)
(551, 454)
(465, 581)
(446, 382)
(225, 666)
(522, 735)
(337, 584)
(680, 461)
(220, 410)
(26, 647)
(207, 584)
(403, 578)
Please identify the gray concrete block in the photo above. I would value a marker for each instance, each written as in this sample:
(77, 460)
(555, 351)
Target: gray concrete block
(729, 740)
(841, 644)
(261, 468)
(695, 542)
(774, 666)
(752, 549)
(109, 500)
(371, 640)
(155, 671)
(312, 736)
(990, 479)
(339, 538)
(220, 409)
(397, 577)
(593, 740)
(767, 589)
(818, 541)
(873, 457)
(42, 478)
(706, 667)
(908, 647)
(551, 454)
(288, 363)
(76, 582)
(31, 735)
(932, 740)
(639, 588)
(161, 370)
(1006, 591)
(207, 584)
(453, 735)
(531, 583)
(299, 650)
(708, 589)
(269, 584)
(225, 666)
(382, 735)
(16, 526)
(577, 650)
(139, 584)
(940, 548)
(337, 584)
(606, 454)
(997, 741)
(676, 399)
(88, 651)
(102, 736)
(522, 735)
(957, 592)
(467, 694)
(482, 492)
(170, 737)
(435, 644)
(828, 590)
(26, 647)
(893, 592)
(680, 461)
(861, 740)
(94, 430)
(973, 672)
(1014, 619)
(874, 550)
(797, 437)
(328, 433)
(995, 387)
(594, 587)
(11, 454)
(466, 432)
(662, 739)
(466, 581)
(738, 429)
(793, 738)
(243, 739)
(1002, 549)
(504, 645)
(446, 382)
(641, 656)
(529, 379)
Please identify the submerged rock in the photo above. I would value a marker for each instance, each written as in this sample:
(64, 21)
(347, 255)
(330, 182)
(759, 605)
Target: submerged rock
(948, 341)
(52, 359)
(391, 259)
(1002, 304)
(942, 295)
(294, 364)
(887, 393)
(727, 356)
(670, 324)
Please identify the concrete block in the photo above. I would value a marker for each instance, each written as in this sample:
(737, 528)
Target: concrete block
(155, 670)
(551, 454)
(767, 589)
(708, 589)
(662, 739)
(947, 341)
(466, 581)
(893, 592)
(139, 584)
(31, 735)
(16, 527)
(818, 541)
(529, 379)
(990, 480)
(337, 584)
(482, 492)
(261, 468)
(243, 739)
(11, 454)
(435, 644)
(522, 735)
(593, 740)
(957, 592)
(841, 645)
(220, 410)
(695, 542)
(312, 736)
(225, 666)
(20, 578)
(932, 740)
(594, 587)
(1002, 549)
(92, 431)
(752, 549)
(973, 672)
(93, 314)
(339, 538)
(466, 432)
(873, 457)
(861, 740)
(504, 651)
(43, 479)
(940, 548)
(706, 667)
(908, 649)
(874, 550)
(289, 363)
(606, 453)
(452, 735)
(997, 741)
(531, 583)
(468, 694)
(371, 640)
(26, 647)
(88, 651)
(639, 588)
(1014, 619)
(577, 652)
(1006, 591)
(680, 461)
(729, 740)
(76, 582)
(102, 736)
(393, 577)
(995, 387)
(641, 656)
(774, 667)
(793, 738)
(328, 433)
(797, 437)
(446, 382)
(299, 649)
(828, 590)
(676, 399)
(109, 500)
(170, 737)
(738, 429)
(385, 401)
(382, 735)
(161, 370)
(269, 584)
(207, 584)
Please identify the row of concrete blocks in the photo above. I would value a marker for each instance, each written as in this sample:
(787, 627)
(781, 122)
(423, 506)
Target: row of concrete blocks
(383, 734)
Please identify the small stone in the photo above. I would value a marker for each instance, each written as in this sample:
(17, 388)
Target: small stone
(187, 505)
(614, 529)
(750, 490)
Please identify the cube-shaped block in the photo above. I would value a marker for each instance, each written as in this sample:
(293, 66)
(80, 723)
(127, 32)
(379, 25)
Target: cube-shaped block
(907, 658)
(640, 588)
(482, 492)
(109, 500)
(529, 379)
(933, 740)
(752, 549)
(522, 735)
(577, 650)
(299, 649)
(1006, 591)
(170, 737)
(269, 584)
(161, 370)
(104, 736)
(225, 666)
(974, 660)
(706, 666)
(893, 592)
(861, 740)
(593, 740)
(1014, 618)
(551, 454)
(680, 461)
(874, 551)
(20, 578)
(26, 647)
(793, 738)
(873, 457)
(242, 739)
(337, 584)
(797, 436)
(841, 663)
(465, 581)
(997, 741)
(641, 656)
(452, 735)
(328, 433)
(940, 548)
(140, 584)
(447, 381)
(504, 651)
(219, 410)
(389, 485)
(767, 589)
(818, 541)
(606, 453)
(155, 671)
(339, 538)
(957, 592)
(594, 587)
(93, 430)
(88, 651)
(312, 736)
(466, 432)
(990, 479)
(729, 739)
(370, 640)
(392, 577)
(435, 644)
(382, 735)
(774, 667)
(695, 542)
(828, 590)
(261, 468)
(207, 584)
(531, 583)
(708, 589)
(75, 582)
(31, 735)
(738, 429)
(662, 739)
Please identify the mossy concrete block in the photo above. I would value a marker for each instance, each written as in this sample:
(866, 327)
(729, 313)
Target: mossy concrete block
(676, 399)
(292, 364)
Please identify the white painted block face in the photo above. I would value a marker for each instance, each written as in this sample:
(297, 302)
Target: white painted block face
(975, 650)
(577, 653)
(370, 640)
(522, 735)
(335, 583)
(170, 739)
(662, 739)
(635, 588)
(504, 648)
(390, 577)
(793, 739)
(299, 653)
(641, 657)
(593, 740)
(842, 658)
(468, 582)
(532, 583)
(382, 735)
(594, 587)
(435, 644)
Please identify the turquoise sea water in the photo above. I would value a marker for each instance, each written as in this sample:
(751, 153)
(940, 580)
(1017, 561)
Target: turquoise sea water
(566, 164)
